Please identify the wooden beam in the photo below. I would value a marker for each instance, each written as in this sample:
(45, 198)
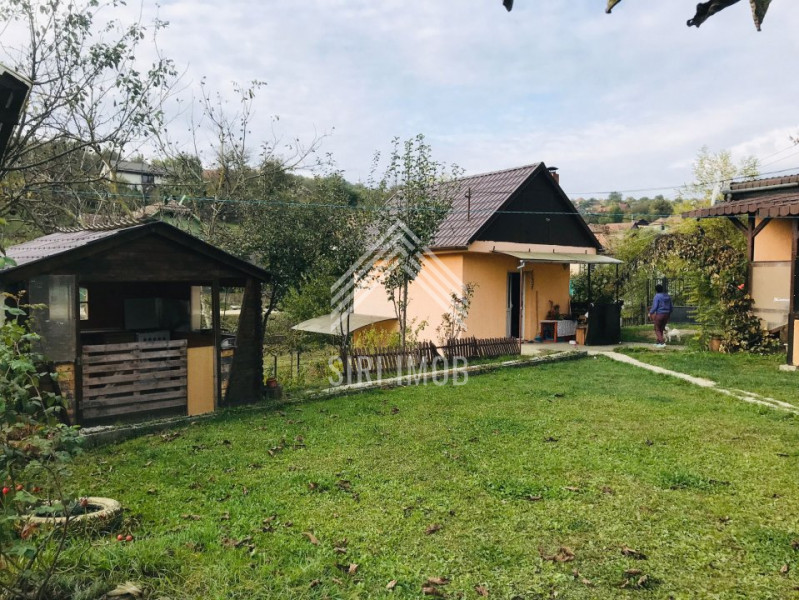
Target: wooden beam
(792, 307)
(735, 221)
(765, 221)
(216, 324)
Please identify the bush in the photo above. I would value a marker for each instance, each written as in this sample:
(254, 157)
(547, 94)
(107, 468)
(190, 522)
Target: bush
(36, 447)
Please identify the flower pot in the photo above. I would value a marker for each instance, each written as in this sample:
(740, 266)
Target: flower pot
(715, 343)
(271, 382)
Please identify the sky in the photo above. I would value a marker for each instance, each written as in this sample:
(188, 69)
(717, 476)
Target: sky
(617, 102)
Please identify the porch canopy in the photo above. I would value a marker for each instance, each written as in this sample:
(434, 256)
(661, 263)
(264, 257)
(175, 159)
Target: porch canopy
(563, 258)
(334, 323)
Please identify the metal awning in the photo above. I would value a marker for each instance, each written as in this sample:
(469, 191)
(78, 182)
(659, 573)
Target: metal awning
(332, 324)
(563, 258)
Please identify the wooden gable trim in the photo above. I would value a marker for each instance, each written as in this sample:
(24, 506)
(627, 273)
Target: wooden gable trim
(559, 193)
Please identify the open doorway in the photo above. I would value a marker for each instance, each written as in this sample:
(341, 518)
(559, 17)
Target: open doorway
(513, 318)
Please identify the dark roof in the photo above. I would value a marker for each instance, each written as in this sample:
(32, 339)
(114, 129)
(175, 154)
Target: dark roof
(489, 191)
(768, 197)
(55, 243)
(138, 166)
(53, 249)
(478, 199)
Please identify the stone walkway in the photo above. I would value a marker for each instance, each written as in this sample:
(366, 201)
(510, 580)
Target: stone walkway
(610, 352)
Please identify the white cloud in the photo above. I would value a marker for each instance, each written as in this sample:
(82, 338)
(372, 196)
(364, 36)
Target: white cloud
(618, 102)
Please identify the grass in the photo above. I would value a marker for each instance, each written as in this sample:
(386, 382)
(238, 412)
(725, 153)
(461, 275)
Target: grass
(514, 472)
(749, 372)
(646, 333)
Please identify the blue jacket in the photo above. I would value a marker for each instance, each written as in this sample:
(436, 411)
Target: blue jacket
(661, 304)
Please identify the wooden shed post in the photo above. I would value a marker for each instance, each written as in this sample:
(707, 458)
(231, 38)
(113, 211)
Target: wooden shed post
(247, 370)
(216, 324)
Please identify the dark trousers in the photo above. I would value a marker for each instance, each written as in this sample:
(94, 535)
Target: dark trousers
(660, 321)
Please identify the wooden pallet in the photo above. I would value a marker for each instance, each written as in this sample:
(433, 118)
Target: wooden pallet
(122, 380)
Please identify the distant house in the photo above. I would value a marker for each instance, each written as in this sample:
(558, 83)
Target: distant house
(137, 174)
(767, 212)
(513, 234)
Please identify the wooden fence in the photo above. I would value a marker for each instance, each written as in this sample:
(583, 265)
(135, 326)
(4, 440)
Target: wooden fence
(388, 360)
(121, 380)
(481, 348)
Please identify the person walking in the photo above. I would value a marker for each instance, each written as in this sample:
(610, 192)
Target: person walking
(660, 313)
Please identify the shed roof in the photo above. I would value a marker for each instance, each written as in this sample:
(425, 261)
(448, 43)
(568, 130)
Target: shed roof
(43, 253)
(768, 197)
(480, 197)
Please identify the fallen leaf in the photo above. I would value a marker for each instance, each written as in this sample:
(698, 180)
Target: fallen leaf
(433, 528)
(352, 568)
(394, 410)
(534, 498)
(642, 580)
(343, 484)
(391, 584)
(437, 581)
(288, 524)
(125, 589)
(608, 490)
(627, 551)
(432, 591)
(148, 463)
(571, 488)
(795, 544)
(312, 485)
(551, 439)
(314, 583)
(342, 542)
(337, 581)
(481, 591)
(632, 572)
(564, 554)
(191, 517)
(224, 516)
(152, 491)
(311, 537)
(340, 550)
(784, 569)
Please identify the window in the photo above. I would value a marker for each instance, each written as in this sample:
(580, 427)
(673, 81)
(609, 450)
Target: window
(84, 304)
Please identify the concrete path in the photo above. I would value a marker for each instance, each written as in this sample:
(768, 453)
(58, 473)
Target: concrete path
(610, 352)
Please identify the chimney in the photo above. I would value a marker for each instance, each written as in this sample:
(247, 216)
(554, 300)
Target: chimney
(555, 175)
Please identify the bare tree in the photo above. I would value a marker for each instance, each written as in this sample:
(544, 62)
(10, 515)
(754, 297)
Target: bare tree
(93, 99)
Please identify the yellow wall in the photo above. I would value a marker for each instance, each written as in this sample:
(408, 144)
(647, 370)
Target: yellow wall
(201, 388)
(774, 241)
(541, 283)
(383, 330)
(771, 273)
(429, 294)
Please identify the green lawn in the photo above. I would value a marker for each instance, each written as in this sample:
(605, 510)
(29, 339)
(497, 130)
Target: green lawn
(752, 373)
(492, 485)
(646, 333)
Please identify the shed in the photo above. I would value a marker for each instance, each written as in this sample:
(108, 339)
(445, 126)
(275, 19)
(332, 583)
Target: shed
(131, 320)
(767, 212)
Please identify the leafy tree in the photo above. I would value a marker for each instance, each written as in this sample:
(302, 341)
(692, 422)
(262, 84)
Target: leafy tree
(713, 171)
(422, 191)
(91, 100)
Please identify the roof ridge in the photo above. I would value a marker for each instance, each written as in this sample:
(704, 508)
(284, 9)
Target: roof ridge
(499, 172)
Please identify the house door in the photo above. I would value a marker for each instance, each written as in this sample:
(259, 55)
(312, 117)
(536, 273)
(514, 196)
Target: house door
(514, 304)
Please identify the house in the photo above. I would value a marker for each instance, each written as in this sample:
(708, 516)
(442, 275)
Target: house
(767, 212)
(137, 174)
(131, 320)
(513, 234)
